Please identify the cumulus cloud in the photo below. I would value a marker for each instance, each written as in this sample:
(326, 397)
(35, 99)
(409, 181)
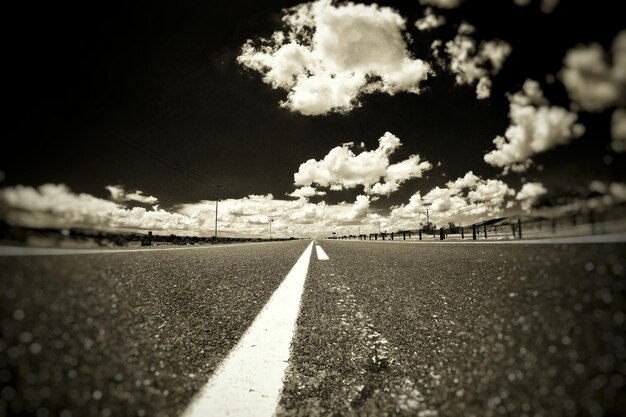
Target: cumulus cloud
(529, 193)
(430, 20)
(472, 63)
(618, 130)
(306, 192)
(592, 82)
(535, 127)
(547, 6)
(465, 200)
(55, 205)
(618, 191)
(342, 168)
(329, 56)
(119, 194)
(443, 4)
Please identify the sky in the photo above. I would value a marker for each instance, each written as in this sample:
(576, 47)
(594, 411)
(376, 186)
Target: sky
(328, 116)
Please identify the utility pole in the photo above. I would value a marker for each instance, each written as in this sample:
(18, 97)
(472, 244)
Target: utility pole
(217, 199)
(270, 219)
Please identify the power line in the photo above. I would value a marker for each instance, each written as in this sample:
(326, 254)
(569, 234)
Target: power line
(228, 191)
(171, 164)
(188, 173)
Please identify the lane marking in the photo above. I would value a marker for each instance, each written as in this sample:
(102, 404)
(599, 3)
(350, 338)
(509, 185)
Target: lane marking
(249, 381)
(31, 251)
(321, 255)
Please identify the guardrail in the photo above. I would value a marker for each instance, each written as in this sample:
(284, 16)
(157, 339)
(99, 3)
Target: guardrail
(516, 227)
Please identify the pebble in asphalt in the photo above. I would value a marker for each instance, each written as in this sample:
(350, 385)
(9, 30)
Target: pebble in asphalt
(461, 329)
(126, 334)
(384, 329)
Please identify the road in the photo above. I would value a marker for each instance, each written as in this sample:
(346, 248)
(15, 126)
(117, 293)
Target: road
(384, 328)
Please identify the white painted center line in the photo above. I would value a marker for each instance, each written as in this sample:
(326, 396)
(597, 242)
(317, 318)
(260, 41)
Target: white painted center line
(248, 382)
(321, 255)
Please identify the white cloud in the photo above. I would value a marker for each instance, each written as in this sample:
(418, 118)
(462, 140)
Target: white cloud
(329, 56)
(529, 193)
(591, 81)
(474, 64)
(618, 191)
(490, 192)
(306, 192)
(443, 4)
(430, 20)
(119, 194)
(468, 181)
(55, 205)
(546, 6)
(249, 215)
(618, 130)
(598, 187)
(465, 200)
(535, 127)
(613, 193)
(342, 169)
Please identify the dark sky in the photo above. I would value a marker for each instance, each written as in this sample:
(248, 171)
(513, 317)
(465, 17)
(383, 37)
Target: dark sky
(93, 89)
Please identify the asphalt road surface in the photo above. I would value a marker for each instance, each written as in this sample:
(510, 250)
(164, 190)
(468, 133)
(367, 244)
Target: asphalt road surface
(384, 328)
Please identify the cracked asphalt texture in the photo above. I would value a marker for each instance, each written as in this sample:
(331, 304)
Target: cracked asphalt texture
(432, 329)
(127, 334)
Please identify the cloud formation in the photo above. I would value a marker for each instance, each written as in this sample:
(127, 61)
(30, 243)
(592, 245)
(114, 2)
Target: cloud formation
(466, 200)
(535, 128)
(119, 194)
(342, 168)
(546, 6)
(443, 4)
(306, 192)
(329, 56)
(55, 205)
(472, 63)
(430, 20)
(593, 83)
(529, 193)
(617, 190)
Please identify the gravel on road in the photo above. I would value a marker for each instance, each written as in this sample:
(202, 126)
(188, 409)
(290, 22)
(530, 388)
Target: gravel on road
(127, 334)
(463, 329)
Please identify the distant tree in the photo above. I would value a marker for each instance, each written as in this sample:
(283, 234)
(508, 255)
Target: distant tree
(118, 240)
(453, 228)
(429, 228)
